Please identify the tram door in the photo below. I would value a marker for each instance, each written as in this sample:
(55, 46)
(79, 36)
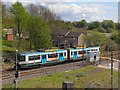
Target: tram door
(91, 56)
(94, 57)
(61, 56)
(75, 55)
(44, 59)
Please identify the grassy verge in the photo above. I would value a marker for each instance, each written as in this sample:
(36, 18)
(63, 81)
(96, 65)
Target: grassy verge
(8, 47)
(88, 77)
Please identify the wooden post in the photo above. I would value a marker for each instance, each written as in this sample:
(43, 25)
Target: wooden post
(83, 56)
(16, 73)
(67, 86)
(111, 69)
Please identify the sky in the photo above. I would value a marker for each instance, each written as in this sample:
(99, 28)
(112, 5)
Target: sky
(76, 10)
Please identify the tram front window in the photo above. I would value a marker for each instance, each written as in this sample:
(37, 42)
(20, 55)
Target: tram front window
(20, 58)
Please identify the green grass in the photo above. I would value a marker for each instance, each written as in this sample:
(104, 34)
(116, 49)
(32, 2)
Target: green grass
(8, 46)
(8, 43)
(8, 50)
(88, 77)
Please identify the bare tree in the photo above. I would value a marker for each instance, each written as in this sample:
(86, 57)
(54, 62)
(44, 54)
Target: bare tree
(42, 11)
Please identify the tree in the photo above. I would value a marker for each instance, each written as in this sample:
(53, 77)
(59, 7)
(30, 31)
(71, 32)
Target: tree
(53, 20)
(109, 43)
(3, 8)
(82, 24)
(7, 19)
(20, 16)
(93, 25)
(39, 33)
(108, 24)
(0, 21)
(68, 26)
(42, 11)
(95, 39)
(32, 9)
(117, 26)
(116, 37)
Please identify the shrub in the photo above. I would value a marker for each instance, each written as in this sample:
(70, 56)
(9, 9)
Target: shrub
(101, 29)
(95, 39)
(115, 37)
(109, 30)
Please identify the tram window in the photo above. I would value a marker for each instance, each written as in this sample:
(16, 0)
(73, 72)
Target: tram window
(52, 55)
(21, 58)
(93, 49)
(65, 54)
(75, 53)
(55, 55)
(61, 54)
(84, 52)
(71, 53)
(44, 57)
(35, 57)
(31, 58)
(88, 50)
(80, 52)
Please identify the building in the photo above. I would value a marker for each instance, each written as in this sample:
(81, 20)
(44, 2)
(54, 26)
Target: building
(75, 38)
(9, 34)
(66, 38)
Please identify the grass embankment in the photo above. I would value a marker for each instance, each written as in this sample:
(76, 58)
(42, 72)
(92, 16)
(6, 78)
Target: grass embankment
(8, 45)
(87, 77)
(8, 50)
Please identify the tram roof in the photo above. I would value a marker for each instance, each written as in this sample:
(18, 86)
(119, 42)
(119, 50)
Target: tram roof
(43, 53)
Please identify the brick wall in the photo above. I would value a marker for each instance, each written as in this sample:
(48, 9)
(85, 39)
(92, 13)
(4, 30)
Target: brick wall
(10, 37)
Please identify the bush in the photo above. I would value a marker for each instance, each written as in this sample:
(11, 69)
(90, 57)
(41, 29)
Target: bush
(110, 43)
(115, 37)
(95, 39)
(109, 30)
(101, 29)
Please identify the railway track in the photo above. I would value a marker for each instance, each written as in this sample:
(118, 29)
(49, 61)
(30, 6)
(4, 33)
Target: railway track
(48, 70)
(9, 76)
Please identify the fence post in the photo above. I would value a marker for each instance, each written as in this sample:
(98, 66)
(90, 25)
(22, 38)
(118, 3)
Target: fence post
(67, 86)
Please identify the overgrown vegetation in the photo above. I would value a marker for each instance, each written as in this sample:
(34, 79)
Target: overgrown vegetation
(95, 39)
(88, 77)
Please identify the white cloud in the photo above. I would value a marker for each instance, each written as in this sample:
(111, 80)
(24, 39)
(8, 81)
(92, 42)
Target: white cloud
(75, 12)
(57, 1)
(72, 11)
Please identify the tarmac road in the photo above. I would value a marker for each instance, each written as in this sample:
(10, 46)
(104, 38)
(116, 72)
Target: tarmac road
(107, 64)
